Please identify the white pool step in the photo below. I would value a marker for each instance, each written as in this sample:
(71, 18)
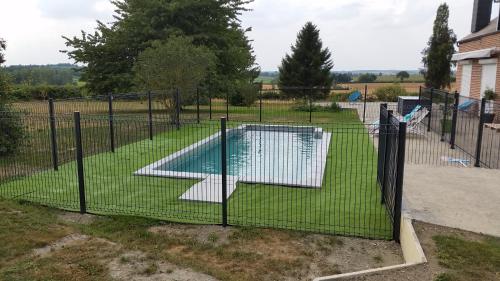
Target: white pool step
(210, 189)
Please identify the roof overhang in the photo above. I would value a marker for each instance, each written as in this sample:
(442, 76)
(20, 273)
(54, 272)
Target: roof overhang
(479, 54)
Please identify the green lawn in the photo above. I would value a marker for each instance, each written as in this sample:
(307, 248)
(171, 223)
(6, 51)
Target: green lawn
(348, 202)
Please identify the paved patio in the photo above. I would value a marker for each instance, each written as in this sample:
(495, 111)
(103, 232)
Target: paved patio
(468, 199)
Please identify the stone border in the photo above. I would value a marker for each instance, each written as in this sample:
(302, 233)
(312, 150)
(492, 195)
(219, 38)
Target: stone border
(314, 181)
(412, 253)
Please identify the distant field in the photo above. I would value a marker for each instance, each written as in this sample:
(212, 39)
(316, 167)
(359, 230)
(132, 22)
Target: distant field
(393, 78)
(410, 87)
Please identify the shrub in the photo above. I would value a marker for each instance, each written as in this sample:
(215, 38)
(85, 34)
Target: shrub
(390, 93)
(343, 97)
(44, 91)
(245, 95)
(306, 107)
(489, 94)
(11, 131)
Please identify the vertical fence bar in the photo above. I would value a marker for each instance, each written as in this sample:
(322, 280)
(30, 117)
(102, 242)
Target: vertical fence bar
(310, 106)
(419, 93)
(398, 200)
(177, 109)
(111, 121)
(480, 133)
(150, 116)
(210, 104)
(382, 149)
(198, 105)
(388, 143)
(260, 103)
(79, 162)
(224, 171)
(454, 121)
(227, 105)
(53, 135)
(430, 111)
(364, 104)
(445, 117)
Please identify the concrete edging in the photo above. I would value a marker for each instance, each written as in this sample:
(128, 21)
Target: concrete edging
(412, 252)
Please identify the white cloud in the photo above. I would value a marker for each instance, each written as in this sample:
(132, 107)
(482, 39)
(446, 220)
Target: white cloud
(362, 34)
(74, 9)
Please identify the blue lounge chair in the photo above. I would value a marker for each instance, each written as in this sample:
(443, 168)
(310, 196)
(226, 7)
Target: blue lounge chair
(354, 97)
(466, 105)
(407, 118)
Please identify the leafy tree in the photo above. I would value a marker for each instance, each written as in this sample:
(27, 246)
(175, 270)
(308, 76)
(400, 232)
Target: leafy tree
(367, 78)
(12, 132)
(34, 75)
(246, 94)
(441, 47)
(176, 64)
(390, 93)
(110, 52)
(342, 77)
(403, 75)
(308, 66)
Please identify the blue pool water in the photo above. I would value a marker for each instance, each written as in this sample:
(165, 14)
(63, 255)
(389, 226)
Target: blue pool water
(284, 156)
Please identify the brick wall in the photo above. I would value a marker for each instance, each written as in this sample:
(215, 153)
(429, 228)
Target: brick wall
(485, 42)
(490, 41)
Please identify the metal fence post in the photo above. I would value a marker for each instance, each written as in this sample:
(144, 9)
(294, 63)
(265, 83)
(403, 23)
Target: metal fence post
(382, 149)
(224, 171)
(430, 111)
(454, 121)
(480, 134)
(198, 105)
(227, 105)
(419, 93)
(150, 115)
(210, 104)
(53, 135)
(398, 200)
(310, 106)
(177, 109)
(364, 104)
(79, 162)
(111, 123)
(445, 117)
(260, 104)
(388, 143)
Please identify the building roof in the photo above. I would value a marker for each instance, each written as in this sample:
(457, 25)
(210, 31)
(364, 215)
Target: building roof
(489, 29)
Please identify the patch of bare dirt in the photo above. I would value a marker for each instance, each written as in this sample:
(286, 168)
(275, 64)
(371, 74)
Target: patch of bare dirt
(432, 269)
(206, 234)
(67, 241)
(69, 217)
(285, 255)
(137, 266)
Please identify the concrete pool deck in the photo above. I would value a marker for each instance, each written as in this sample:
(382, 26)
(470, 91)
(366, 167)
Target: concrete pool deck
(456, 197)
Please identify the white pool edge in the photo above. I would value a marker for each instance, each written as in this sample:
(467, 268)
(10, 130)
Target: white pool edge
(315, 181)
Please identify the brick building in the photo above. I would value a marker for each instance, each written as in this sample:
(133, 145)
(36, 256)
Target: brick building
(478, 66)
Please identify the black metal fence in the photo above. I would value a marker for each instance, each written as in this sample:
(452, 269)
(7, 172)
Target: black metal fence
(391, 162)
(466, 124)
(200, 105)
(322, 178)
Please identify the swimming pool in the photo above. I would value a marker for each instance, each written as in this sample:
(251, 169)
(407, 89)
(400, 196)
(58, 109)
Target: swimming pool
(269, 154)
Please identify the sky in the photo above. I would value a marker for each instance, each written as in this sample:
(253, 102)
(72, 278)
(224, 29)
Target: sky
(362, 34)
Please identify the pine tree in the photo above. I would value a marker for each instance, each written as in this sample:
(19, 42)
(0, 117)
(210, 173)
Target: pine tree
(441, 47)
(308, 66)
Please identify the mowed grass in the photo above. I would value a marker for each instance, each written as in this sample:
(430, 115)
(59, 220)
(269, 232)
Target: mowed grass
(348, 202)
(468, 260)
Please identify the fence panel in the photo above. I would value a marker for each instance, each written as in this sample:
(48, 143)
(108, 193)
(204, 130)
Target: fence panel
(28, 173)
(319, 178)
